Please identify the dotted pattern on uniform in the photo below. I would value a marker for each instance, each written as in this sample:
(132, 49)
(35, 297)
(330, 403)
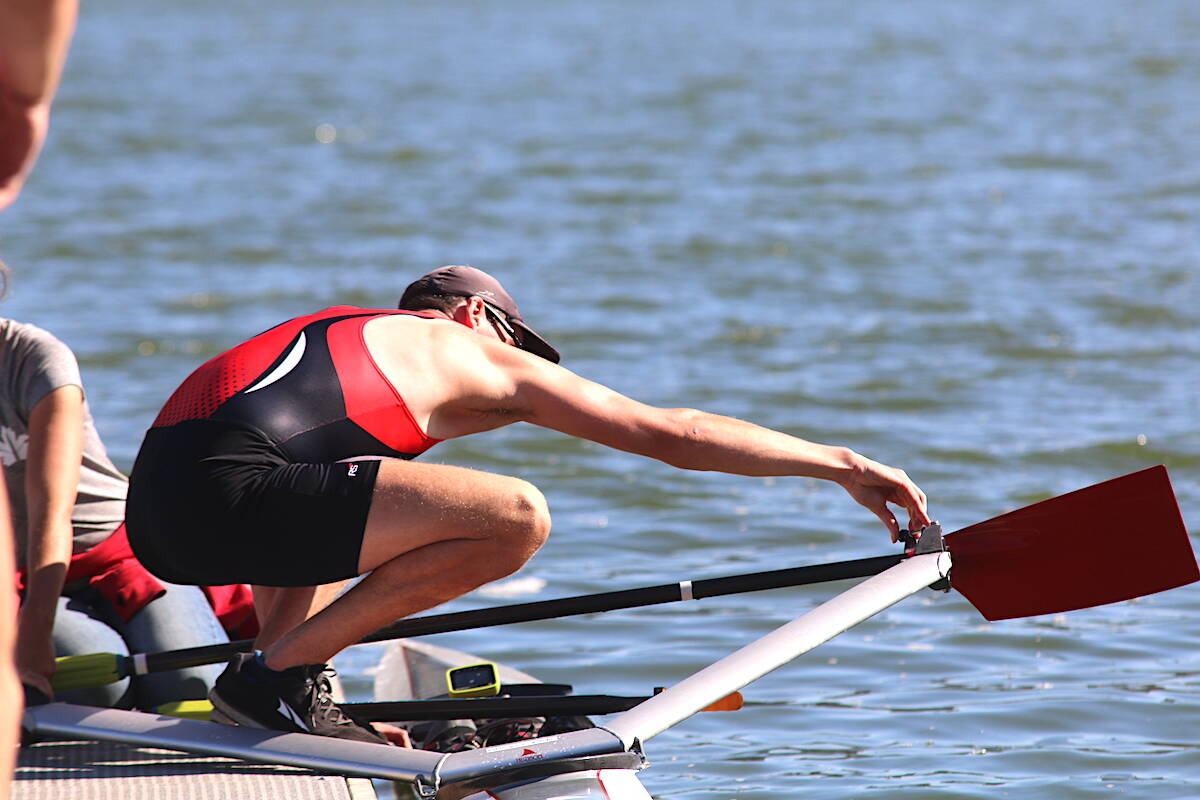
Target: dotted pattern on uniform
(206, 389)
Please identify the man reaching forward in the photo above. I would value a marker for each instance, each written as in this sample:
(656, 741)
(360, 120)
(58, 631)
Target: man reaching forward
(285, 463)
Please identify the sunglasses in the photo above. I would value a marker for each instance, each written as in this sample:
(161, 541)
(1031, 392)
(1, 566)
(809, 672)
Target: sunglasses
(500, 320)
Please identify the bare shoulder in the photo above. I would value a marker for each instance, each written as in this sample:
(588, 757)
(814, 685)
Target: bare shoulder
(414, 351)
(418, 340)
(390, 329)
(454, 381)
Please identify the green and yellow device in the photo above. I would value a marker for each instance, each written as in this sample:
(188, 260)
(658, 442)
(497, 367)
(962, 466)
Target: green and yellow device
(473, 680)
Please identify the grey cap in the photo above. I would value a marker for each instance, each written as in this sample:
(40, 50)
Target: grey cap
(463, 281)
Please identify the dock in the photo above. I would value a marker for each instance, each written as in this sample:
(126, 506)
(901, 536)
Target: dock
(90, 770)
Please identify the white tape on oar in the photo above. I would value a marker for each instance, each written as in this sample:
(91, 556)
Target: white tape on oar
(140, 667)
(685, 591)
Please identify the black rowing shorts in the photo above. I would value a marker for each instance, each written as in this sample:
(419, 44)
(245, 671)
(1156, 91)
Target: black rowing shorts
(212, 503)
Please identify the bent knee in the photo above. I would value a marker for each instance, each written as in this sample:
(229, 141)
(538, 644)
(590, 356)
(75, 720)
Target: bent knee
(532, 512)
(526, 526)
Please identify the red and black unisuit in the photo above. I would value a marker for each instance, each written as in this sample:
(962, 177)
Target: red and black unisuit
(261, 466)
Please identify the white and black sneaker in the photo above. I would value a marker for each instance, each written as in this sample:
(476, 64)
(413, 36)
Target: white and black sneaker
(296, 700)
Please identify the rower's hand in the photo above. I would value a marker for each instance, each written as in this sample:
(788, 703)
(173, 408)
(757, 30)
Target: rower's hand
(37, 684)
(876, 485)
(35, 662)
(393, 733)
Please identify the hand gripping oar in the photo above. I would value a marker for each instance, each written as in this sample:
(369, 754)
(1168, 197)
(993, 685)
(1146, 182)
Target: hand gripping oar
(1113, 541)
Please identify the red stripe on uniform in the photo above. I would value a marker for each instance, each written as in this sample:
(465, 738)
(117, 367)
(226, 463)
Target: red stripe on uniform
(371, 401)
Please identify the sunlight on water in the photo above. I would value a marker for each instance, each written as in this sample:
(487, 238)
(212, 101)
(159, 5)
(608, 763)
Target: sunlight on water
(513, 587)
(958, 238)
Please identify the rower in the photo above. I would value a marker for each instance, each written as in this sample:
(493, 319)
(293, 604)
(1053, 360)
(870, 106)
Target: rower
(294, 451)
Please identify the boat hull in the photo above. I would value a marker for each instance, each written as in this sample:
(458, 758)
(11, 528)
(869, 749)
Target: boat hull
(602, 784)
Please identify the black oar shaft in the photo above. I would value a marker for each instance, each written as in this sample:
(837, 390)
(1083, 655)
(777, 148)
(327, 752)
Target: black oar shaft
(565, 607)
(633, 598)
(193, 656)
(493, 707)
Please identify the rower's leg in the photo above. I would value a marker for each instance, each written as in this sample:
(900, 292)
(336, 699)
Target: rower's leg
(434, 532)
(279, 609)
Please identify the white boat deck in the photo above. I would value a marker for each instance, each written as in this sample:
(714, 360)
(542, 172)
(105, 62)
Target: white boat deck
(87, 770)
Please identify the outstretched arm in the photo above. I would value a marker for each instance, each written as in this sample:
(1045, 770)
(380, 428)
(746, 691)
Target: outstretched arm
(698, 440)
(494, 384)
(34, 38)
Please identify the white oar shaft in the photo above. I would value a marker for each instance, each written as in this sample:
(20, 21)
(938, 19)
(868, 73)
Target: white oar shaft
(797, 637)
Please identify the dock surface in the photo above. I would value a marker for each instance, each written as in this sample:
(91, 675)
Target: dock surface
(86, 770)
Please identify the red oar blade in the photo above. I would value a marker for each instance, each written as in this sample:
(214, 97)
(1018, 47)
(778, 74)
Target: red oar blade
(1113, 541)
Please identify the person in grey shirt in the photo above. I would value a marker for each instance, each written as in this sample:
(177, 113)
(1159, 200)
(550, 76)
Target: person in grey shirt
(68, 499)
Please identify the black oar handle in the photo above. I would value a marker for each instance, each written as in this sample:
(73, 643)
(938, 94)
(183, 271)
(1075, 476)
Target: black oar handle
(563, 607)
(181, 659)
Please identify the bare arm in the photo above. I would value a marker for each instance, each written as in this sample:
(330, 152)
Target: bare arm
(505, 382)
(34, 39)
(698, 440)
(52, 482)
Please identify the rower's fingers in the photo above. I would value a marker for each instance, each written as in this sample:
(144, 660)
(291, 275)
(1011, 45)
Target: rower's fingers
(918, 517)
(909, 495)
(887, 518)
(393, 733)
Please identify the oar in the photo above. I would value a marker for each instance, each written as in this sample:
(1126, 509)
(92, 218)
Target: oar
(1113, 541)
(98, 669)
(580, 705)
(1109, 542)
(576, 705)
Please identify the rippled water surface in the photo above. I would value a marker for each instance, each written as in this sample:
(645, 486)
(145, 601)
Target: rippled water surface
(960, 238)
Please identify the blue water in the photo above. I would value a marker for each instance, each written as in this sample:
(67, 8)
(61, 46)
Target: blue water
(960, 238)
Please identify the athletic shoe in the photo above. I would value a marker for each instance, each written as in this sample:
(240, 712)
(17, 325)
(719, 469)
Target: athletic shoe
(296, 700)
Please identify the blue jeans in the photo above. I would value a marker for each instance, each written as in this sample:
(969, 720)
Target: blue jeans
(87, 623)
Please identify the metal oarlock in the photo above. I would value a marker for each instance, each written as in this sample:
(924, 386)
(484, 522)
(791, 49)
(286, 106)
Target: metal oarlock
(927, 540)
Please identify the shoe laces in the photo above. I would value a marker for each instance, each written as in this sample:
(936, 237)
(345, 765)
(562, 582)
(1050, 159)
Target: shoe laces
(320, 697)
(320, 689)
